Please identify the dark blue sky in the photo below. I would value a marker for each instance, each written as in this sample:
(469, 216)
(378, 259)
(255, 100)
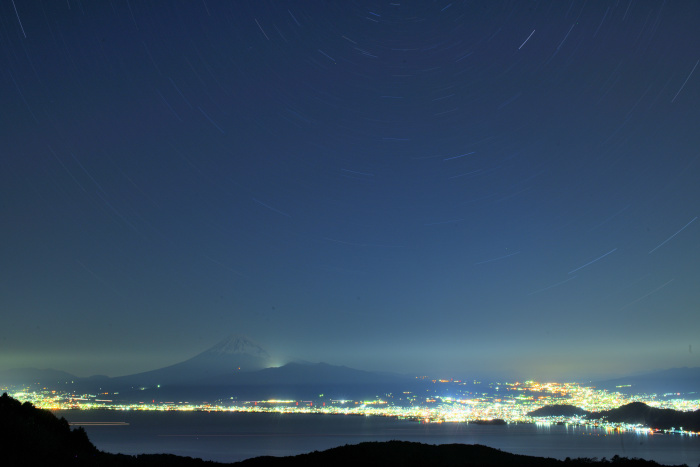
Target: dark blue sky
(431, 187)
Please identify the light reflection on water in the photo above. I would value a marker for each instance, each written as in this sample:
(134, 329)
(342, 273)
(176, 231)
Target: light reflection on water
(229, 437)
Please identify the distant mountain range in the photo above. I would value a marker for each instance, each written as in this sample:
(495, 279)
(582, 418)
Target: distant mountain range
(675, 380)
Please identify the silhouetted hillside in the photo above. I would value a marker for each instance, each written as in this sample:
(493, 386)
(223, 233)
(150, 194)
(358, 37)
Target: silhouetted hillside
(558, 410)
(35, 437)
(31, 436)
(411, 454)
(638, 412)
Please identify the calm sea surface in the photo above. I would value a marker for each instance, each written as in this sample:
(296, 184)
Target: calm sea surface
(230, 437)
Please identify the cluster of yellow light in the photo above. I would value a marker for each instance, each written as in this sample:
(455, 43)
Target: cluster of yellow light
(511, 403)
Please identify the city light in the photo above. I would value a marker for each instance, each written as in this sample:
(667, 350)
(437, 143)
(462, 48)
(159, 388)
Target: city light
(509, 403)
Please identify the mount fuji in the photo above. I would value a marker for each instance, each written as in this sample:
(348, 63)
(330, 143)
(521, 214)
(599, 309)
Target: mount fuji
(235, 367)
(235, 354)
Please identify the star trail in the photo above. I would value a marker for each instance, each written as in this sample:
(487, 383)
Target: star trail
(487, 187)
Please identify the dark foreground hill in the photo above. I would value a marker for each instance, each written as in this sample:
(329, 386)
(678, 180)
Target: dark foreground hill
(35, 437)
(410, 454)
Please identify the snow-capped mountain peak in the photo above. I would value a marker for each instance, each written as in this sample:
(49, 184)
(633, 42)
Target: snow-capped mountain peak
(238, 345)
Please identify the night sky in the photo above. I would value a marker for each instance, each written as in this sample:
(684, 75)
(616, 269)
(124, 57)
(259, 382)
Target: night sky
(430, 187)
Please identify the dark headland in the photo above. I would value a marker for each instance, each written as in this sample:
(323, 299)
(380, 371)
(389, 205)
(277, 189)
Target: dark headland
(36, 437)
(634, 413)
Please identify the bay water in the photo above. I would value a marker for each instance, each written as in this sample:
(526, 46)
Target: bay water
(235, 436)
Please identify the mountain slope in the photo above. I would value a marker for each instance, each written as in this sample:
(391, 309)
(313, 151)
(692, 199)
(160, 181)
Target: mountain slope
(314, 373)
(230, 356)
(291, 381)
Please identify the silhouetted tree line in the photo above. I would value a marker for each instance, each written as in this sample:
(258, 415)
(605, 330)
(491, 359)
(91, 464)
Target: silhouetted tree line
(36, 437)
